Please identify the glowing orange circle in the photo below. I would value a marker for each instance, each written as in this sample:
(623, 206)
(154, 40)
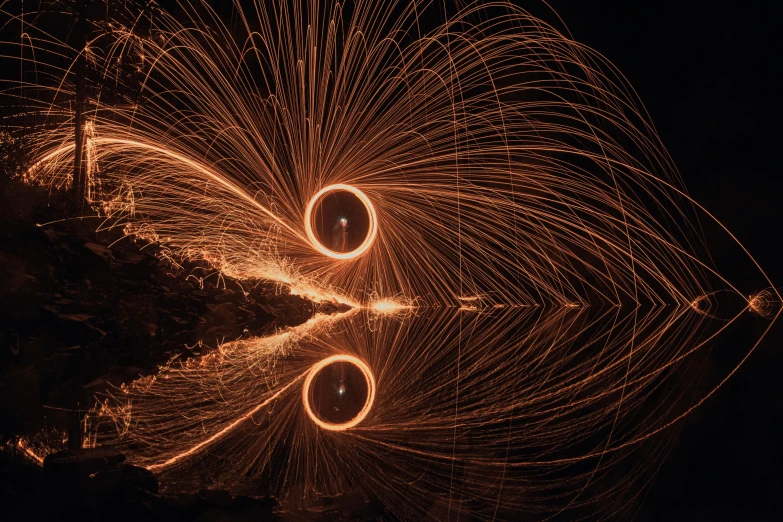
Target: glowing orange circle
(368, 376)
(371, 233)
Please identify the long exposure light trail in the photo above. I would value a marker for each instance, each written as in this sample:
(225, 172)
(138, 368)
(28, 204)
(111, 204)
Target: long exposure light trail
(499, 157)
(531, 287)
(313, 373)
(372, 228)
(67, 150)
(195, 449)
(575, 392)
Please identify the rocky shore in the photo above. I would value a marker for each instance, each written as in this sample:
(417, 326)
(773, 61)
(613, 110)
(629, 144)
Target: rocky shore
(97, 484)
(82, 311)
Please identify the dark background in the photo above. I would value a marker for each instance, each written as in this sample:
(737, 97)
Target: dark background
(711, 76)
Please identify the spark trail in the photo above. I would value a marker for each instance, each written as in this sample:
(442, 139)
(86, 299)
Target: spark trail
(523, 251)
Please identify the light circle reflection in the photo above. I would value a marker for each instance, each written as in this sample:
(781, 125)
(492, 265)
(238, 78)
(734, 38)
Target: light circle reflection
(314, 373)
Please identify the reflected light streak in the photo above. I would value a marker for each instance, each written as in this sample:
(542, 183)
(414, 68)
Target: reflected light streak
(206, 442)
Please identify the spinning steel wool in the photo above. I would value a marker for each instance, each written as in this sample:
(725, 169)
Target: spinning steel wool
(495, 157)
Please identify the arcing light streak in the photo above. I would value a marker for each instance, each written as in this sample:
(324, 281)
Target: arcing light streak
(495, 156)
(236, 382)
(515, 401)
(148, 147)
(502, 165)
(223, 432)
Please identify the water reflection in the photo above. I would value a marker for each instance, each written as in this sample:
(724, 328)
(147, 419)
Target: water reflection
(491, 412)
(339, 392)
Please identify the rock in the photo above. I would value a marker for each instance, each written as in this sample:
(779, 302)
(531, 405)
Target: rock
(106, 481)
(323, 513)
(140, 478)
(132, 257)
(215, 497)
(184, 501)
(79, 316)
(252, 509)
(222, 311)
(52, 236)
(99, 250)
(71, 329)
(79, 464)
(327, 308)
(152, 329)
